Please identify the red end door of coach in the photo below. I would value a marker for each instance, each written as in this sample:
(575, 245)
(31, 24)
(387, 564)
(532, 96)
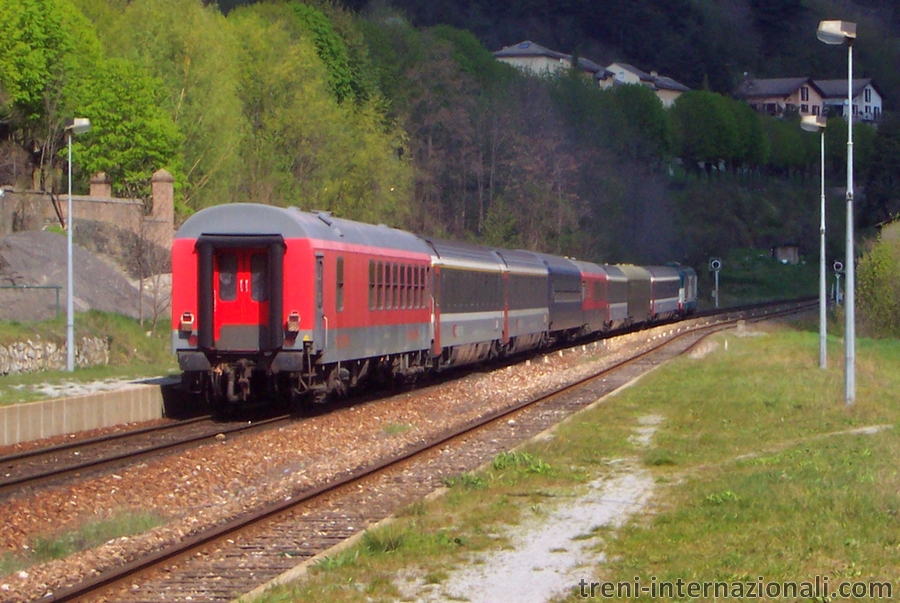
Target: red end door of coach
(241, 286)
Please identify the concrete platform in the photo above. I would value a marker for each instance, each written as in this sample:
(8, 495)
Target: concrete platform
(57, 416)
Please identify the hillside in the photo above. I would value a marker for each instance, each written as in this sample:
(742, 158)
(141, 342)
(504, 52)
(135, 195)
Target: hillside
(701, 43)
(399, 114)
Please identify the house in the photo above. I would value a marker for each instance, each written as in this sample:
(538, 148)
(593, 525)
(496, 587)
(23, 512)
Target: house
(539, 60)
(667, 89)
(787, 253)
(617, 74)
(889, 229)
(622, 73)
(780, 95)
(866, 98)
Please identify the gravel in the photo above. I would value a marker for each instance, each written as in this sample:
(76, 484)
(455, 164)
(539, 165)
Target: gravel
(205, 485)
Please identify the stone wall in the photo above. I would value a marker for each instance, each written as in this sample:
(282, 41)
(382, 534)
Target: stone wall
(35, 356)
(33, 210)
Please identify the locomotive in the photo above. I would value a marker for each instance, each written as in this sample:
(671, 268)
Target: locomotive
(277, 303)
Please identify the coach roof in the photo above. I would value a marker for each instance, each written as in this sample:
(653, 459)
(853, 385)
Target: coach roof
(254, 219)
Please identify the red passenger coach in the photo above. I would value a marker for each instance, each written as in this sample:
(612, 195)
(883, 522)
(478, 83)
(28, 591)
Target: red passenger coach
(270, 301)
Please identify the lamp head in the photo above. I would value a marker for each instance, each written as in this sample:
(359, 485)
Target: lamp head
(813, 123)
(78, 125)
(836, 32)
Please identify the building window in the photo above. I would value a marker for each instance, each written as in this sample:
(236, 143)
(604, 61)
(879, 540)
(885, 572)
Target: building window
(804, 108)
(868, 95)
(804, 93)
(815, 109)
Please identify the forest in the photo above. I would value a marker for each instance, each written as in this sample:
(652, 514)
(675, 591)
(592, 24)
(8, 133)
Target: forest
(397, 112)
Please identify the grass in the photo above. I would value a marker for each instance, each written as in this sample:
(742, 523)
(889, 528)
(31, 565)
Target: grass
(134, 351)
(751, 275)
(90, 535)
(757, 466)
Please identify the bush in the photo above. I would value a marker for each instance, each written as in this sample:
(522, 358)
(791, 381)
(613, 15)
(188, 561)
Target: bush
(878, 290)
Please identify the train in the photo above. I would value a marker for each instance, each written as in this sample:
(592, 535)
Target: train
(273, 303)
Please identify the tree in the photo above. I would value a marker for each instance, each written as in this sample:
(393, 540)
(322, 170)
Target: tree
(438, 115)
(882, 199)
(751, 149)
(131, 135)
(347, 77)
(47, 52)
(194, 55)
(302, 146)
(791, 147)
(704, 130)
(646, 118)
(878, 287)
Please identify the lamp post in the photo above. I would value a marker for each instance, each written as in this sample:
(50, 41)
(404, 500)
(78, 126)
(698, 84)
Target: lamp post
(79, 125)
(840, 32)
(817, 123)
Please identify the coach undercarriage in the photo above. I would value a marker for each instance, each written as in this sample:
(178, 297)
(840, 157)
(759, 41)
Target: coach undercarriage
(286, 377)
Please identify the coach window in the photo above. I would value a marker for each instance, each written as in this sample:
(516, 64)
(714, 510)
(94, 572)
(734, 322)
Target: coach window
(421, 288)
(388, 293)
(387, 285)
(417, 300)
(395, 300)
(259, 283)
(228, 276)
(371, 284)
(339, 297)
(402, 302)
(423, 279)
(410, 288)
(379, 285)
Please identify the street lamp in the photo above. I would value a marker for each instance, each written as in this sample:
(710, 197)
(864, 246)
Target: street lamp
(840, 32)
(817, 123)
(79, 125)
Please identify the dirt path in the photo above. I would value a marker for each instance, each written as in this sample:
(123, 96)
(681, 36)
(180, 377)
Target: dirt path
(551, 554)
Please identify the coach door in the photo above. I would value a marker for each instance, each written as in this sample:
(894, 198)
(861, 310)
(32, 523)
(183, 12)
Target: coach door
(241, 294)
(320, 332)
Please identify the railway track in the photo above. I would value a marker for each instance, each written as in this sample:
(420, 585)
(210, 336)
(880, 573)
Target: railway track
(236, 557)
(50, 465)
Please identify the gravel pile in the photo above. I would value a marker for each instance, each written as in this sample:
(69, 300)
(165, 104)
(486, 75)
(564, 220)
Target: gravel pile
(217, 481)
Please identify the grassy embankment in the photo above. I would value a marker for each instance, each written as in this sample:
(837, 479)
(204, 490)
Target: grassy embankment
(749, 276)
(134, 351)
(759, 470)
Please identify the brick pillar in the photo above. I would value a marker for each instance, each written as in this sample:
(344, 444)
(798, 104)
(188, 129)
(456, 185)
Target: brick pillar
(162, 187)
(101, 185)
